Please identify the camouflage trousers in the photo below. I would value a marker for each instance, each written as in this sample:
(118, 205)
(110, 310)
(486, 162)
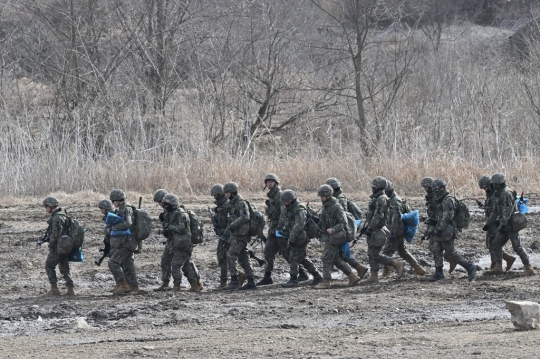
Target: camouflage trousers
(122, 265)
(298, 256)
(446, 250)
(375, 258)
(62, 261)
(189, 268)
(331, 258)
(238, 252)
(398, 245)
(272, 247)
(490, 237)
(349, 259)
(180, 258)
(222, 248)
(496, 248)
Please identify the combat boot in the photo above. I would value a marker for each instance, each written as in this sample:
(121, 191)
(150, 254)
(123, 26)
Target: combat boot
(54, 290)
(70, 290)
(317, 278)
(353, 279)
(163, 287)
(509, 260)
(452, 266)
(325, 284)
(194, 286)
(399, 266)
(385, 271)
(241, 278)
(222, 285)
(418, 270)
(123, 287)
(134, 289)
(373, 278)
(200, 284)
(471, 271)
(439, 274)
(114, 288)
(302, 275)
(250, 284)
(360, 269)
(233, 284)
(267, 279)
(176, 287)
(529, 270)
(496, 270)
(293, 282)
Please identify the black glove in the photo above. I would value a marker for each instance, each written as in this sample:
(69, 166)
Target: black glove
(502, 228)
(437, 232)
(485, 228)
(166, 229)
(368, 232)
(292, 244)
(162, 217)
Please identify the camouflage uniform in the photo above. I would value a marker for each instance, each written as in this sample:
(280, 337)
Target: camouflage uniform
(488, 208)
(57, 227)
(376, 220)
(274, 244)
(223, 245)
(121, 261)
(238, 226)
(178, 241)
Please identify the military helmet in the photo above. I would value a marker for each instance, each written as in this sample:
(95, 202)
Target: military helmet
(159, 194)
(438, 184)
(288, 196)
(325, 190)
(51, 202)
(333, 182)
(117, 195)
(271, 177)
(498, 178)
(484, 182)
(105, 204)
(379, 182)
(427, 181)
(171, 199)
(216, 189)
(230, 187)
(389, 186)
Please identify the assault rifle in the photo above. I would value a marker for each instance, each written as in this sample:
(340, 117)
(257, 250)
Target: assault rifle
(106, 250)
(40, 241)
(358, 237)
(479, 204)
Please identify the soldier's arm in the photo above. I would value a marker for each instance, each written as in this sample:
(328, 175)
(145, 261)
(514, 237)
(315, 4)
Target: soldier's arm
(343, 202)
(282, 217)
(243, 218)
(342, 219)
(179, 223)
(448, 213)
(379, 212)
(127, 215)
(56, 230)
(299, 224)
(507, 205)
(394, 217)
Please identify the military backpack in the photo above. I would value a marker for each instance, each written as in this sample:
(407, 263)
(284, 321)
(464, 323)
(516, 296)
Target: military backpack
(195, 226)
(141, 224)
(72, 236)
(257, 221)
(462, 217)
(354, 210)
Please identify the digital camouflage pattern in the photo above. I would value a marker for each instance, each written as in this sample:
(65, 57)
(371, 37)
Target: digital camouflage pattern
(333, 216)
(57, 226)
(238, 227)
(179, 242)
(220, 212)
(122, 265)
(377, 210)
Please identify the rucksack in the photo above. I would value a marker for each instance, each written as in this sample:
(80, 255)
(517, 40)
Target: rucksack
(72, 237)
(141, 224)
(405, 207)
(257, 221)
(411, 220)
(462, 217)
(354, 210)
(351, 227)
(197, 233)
(312, 224)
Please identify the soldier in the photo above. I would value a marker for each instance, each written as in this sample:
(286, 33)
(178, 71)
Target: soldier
(396, 239)
(485, 183)
(238, 231)
(342, 199)
(295, 221)
(220, 225)
(57, 227)
(333, 224)
(189, 268)
(106, 206)
(503, 209)
(121, 262)
(274, 245)
(445, 232)
(377, 232)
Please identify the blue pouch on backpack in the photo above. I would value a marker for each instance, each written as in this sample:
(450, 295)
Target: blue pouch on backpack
(411, 221)
(76, 255)
(345, 249)
(522, 205)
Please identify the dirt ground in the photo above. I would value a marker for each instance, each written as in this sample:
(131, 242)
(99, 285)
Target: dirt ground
(406, 318)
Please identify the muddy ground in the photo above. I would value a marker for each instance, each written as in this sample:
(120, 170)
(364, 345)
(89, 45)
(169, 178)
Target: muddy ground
(406, 318)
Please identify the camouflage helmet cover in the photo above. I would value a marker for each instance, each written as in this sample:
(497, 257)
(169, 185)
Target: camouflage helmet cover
(105, 204)
(333, 182)
(271, 177)
(325, 190)
(438, 184)
(427, 181)
(117, 195)
(171, 199)
(484, 182)
(288, 196)
(216, 189)
(51, 202)
(230, 187)
(389, 186)
(159, 194)
(379, 182)
(498, 178)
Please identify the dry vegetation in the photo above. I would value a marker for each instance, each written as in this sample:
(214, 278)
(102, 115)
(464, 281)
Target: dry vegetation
(182, 94)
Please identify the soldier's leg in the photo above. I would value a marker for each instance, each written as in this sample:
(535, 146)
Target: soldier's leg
(51, 262)
(404, 253)
(222, 259)
(284, 248)
(328, 260)
(129, 267)
(380, 258)
(339, 262)
(436, 249)
(243, 259)
(115, 265)
(271, 248)
(179, 260)
(516, 245)
(451, 252)
(496, 248)
(166, 260)
(63, 265)
(296, 255)
(190, 270)
(390, 247)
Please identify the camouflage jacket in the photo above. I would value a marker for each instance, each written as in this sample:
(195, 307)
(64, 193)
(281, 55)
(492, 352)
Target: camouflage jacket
(332, 216)
(377, 210)
(178, 228)
(489, 202)
(274, 209)
(126, 212)
(296, 216)
(342, 199)
(106, 232)
(220, 212)
(431, 205)
(445, 210)
(238, 216)
(504, 205)
(57, 226)
(395, 224)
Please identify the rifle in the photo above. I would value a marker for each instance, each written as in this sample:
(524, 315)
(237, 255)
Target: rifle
(362, 232)
(479, 204)
(105, 251)
(40, 241)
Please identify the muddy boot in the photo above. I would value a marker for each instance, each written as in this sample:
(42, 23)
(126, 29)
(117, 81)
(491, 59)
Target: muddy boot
(70, 290)
(200, 284)
(492, 265)
(250, 285)
(496, 270)
(509, 260)
(163, 287)
(123, 287)
(233, 284)
(222, 284)
(529, 270)
(353, 279)
(302, 275)
(418, 270)
(241, 278)
(54, 290)
(176, 287)
(385, 272)
(399, 266)
(373, 278)
(134, 289)
(113, 288)
(194, 286)
(360, 269)
(267, 279)
(439, 274)
(293, 282)
(452, 266)
(325, 284)
(316, 279)
(471, 271)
